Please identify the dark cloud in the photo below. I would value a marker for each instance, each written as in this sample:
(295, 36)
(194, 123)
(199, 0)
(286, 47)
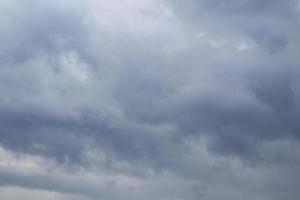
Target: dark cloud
(191, 96)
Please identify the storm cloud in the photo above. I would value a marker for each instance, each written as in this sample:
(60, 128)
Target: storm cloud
(150, 99)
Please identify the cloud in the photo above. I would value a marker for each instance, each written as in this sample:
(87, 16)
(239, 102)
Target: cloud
(173, 99)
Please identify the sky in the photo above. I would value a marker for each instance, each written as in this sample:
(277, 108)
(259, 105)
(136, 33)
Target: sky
(149, 99)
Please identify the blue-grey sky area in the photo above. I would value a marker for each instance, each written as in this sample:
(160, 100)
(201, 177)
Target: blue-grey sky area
(149, 99)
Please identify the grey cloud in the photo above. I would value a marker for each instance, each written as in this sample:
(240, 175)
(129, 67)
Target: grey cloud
(223, 72)
(37, 28)
(270, 23)
(142, 96)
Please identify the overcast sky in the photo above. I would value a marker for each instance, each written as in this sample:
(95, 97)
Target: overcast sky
(149, 99)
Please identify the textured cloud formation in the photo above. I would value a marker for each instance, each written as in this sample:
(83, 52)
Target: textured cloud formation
(149, 99)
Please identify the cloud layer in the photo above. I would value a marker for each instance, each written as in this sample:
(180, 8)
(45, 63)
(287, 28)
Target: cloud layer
(149, 99)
